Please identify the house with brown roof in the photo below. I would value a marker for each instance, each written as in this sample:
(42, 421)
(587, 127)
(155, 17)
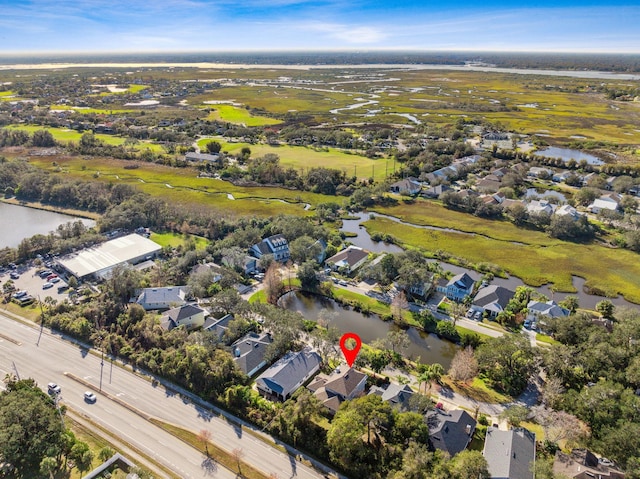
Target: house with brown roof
(348, 260)
(341, 385)
(583, 464)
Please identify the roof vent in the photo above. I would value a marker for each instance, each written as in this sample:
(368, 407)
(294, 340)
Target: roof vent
(236, 352)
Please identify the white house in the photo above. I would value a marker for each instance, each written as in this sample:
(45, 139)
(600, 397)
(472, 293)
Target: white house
(610, 201)
(163, 298)
(540, 207)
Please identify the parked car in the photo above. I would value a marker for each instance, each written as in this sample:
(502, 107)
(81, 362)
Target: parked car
(470, 314)
(45, 273)
(54, 280)
(14, 275)
(90, 397)
(47, 285)
(527, 324)
(478, 315)
(51, 276)
(53, 388)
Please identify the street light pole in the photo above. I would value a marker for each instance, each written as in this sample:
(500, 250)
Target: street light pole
(101, 362)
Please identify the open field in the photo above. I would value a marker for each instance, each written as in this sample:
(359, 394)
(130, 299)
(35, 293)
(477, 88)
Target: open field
(176, 239)
(185, 187)
(234, 114)
(96, 111)
(301, 157)
(65, 136)
(610, 270)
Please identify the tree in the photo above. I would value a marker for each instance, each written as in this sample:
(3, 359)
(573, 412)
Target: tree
(30, 426)
(464, 366)
(43, 138)
(570, 303)
(470, 464)
(398, 305)
(456, 311)
(429, 374)
(397, 341)
(605, 308)
(106, 453)
(307, 276)
(273, 285)
(507, 361)
(514, 415)
(205, 436)
(213, 147)
(48, 466)
(304, 249)
(81, 455)
(558, 425)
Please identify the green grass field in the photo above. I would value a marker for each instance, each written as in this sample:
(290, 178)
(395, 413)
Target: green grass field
(96, 111)
(184, 186)
(301, 157)
(234, 114)
(65, 136)
(176, 239)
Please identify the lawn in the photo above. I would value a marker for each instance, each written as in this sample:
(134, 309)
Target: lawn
(302, 158)
(65, 136)
(527, 256)
(476, 390)
(242, 116)
(97, 111)
(176, 239)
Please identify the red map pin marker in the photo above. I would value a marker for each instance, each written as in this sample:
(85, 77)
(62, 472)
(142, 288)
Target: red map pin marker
(350, 354)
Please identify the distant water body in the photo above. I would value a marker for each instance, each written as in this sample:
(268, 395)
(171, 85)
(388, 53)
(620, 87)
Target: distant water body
(206, 65)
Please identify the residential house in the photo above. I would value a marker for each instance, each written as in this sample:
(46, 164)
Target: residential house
(408, 186)
(458, 287)
(275, 245)
(561, 176)
(538, 172)
(250, 351)
(395, 394)
(435, 191)
(586, 178)
(583, 464)
(610, 202)
(202, 157)
(218, 326)
(190, 316)
(341, 385)
(568, 210)
(493, 299)
(422, 289)
(162, 298)
(286, 375)
(510, 454)
(216, 270)
(538, 207)
(450, 431)
(348, 260)
(489, 184)
(550, 309)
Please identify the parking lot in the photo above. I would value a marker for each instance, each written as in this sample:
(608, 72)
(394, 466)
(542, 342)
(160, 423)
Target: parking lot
(32, 283)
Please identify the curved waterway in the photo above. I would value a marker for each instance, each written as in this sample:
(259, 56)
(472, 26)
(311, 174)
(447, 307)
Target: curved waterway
(363, 240)
(427, 347)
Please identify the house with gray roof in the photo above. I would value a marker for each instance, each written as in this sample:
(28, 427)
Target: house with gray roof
(162, 298)
(537, 309)
(510, 454)
(190, 316)
(493, 299)
(408, 186)
(458, 287)
(341, 385)
(275, 245)
(287, 374)
(583, 464)
(201, 157)
(218, 326)
(395, 394)
(450, 431)
(250, 352)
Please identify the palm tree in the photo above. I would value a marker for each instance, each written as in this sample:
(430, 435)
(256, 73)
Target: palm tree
(431, 373)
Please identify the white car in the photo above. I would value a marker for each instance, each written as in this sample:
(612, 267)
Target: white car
(47, 285)
(53, 388)
(90, 397)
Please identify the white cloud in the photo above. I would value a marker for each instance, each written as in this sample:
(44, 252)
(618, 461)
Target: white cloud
(348, 33)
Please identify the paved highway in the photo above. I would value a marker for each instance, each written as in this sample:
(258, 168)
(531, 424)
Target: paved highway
(47, 358)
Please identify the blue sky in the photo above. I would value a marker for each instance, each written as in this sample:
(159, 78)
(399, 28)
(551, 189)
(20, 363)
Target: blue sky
(239, 25)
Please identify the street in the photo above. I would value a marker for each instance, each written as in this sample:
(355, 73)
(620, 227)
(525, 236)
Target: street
(49, 360)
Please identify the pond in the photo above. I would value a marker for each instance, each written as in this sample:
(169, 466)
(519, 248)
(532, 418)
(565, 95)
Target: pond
(533, 192)
(586, 300)
(428, 347)
(19, 222)
(567, 154)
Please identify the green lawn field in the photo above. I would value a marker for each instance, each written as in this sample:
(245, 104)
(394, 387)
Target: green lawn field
(234, 114)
